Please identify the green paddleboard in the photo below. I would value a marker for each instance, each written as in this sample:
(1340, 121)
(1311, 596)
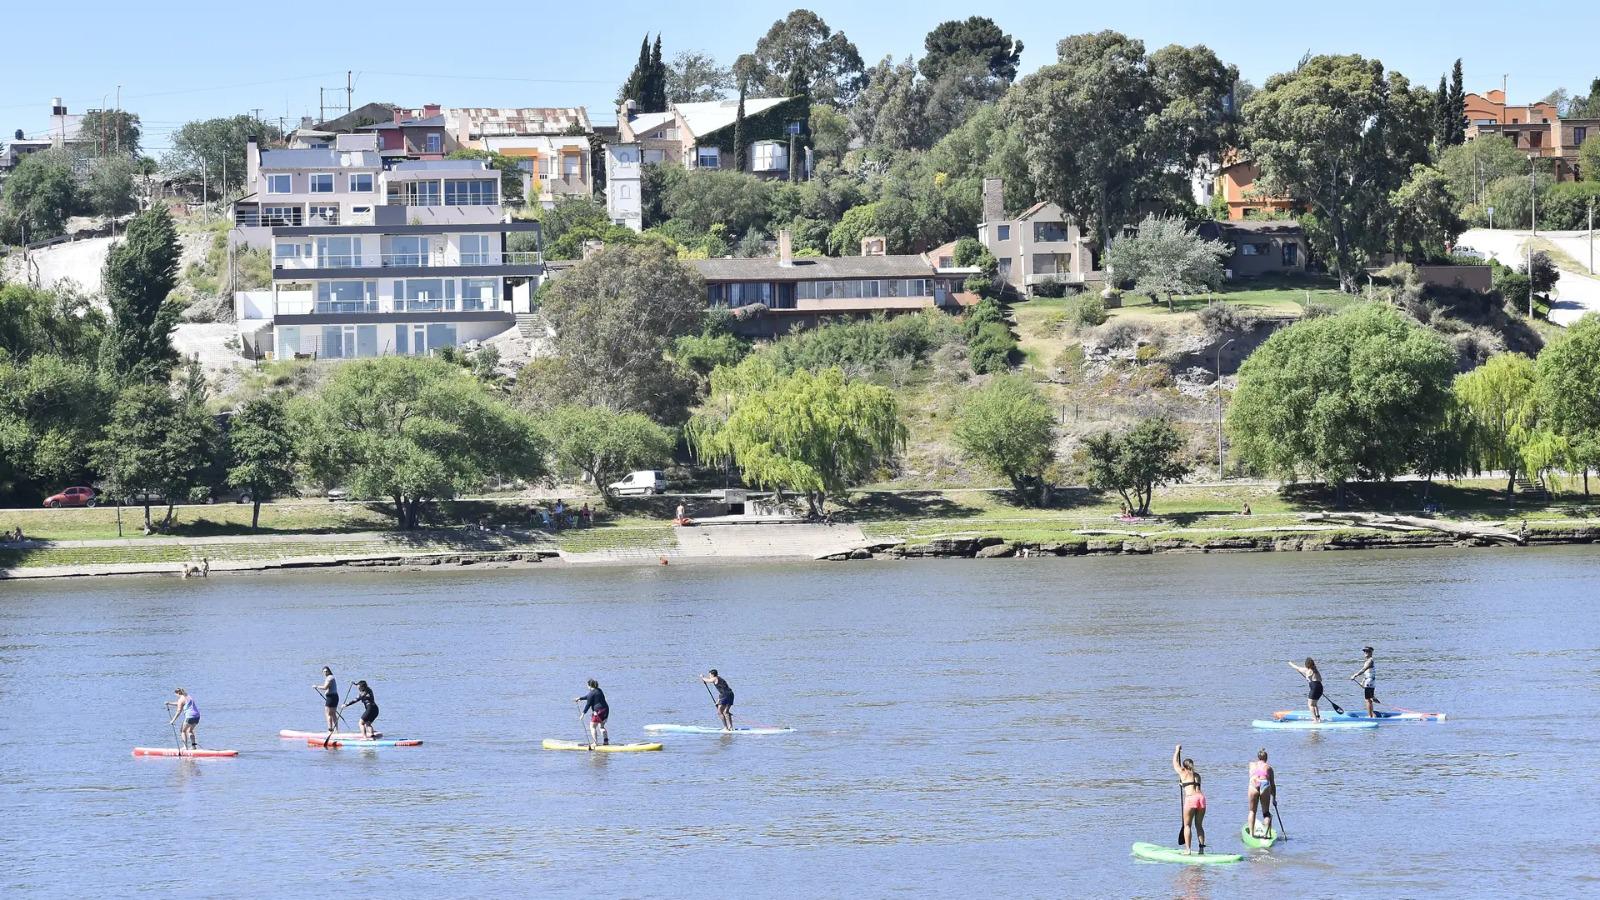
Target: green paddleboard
(1158, 853)
(1251, 840)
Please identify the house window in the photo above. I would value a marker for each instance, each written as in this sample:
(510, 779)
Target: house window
(624, 192)
(347, 296)
(480, 293)
(1291, 253)
(475, 250)
(655, 157)
(469, 193)
(275, 216)
(322, 215)
(435, 143)
(281, 252)
(1049, 231)
(708, 157)
(425, 295)
(1003, 267)
(1004, 232)
(361, 183)
(322, 183)
(415, 193)
(280, 184)
(406, 250)
(1580, 134)
(571, 165)
(338, 252)
(288, 342)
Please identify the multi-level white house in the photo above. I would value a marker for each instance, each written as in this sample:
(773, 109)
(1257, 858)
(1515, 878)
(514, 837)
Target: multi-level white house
(625, 185)
(368, 261)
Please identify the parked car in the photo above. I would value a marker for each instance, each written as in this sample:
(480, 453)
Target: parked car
(641, 483)
(72, 496)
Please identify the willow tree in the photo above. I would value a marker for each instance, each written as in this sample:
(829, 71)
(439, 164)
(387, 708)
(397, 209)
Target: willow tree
(1501, 401)
(808, 433)
(1569, 369)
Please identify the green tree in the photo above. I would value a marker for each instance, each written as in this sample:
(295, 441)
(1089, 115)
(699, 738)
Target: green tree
(830, 132)
(1542, 279)
(262, 450)
(1341, 397)
(602, 445)
(52, 401)
(412, 430)
(114, 131)
(1471, 168)
(109, 188)
(1007, 426)
(1569, 406)
(808, 433)
(39, 196)
(1458, 107)
(616, 316)
(893, 218)
(647, 83)
(887, 113)
(801, 55)
(155, 446)
(707, 197)
(1425, 219)
(1136, 462)
(655, 85)
(1501, 403)
(1339, 135)
(694, 77)
(139, 276)
(214, 149)
(1165, 258)
(977, 39)
(1106, 119)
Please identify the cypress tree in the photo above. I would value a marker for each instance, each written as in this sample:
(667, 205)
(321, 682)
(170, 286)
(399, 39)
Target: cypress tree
(1442, 130)
(1458, 107)
(636, 87)
(139, 274)
(738, 129)
(656, 80)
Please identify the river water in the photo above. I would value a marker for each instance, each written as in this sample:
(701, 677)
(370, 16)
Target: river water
(997, 726)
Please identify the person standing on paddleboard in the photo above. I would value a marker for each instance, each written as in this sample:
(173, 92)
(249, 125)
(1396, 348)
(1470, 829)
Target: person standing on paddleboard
(369, 708)
(184, 708)
(329, 689)
(594, 703)
(1263, 784)
(724, 698)
(1367, 677)
(1194, 802)
(1313, 686)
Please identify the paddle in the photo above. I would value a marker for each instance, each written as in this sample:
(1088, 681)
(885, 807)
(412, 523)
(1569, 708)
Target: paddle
(173, 724)
(588, 736)
(1183, 819)
(713, 701)
(1277, 815)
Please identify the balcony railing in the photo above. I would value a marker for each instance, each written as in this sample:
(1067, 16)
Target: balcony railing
(298, 307)
(434, 199)
(407, 260)
(250, 218)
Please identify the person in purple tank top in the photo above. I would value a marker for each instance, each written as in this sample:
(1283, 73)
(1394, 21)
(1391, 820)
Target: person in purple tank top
(184, 708)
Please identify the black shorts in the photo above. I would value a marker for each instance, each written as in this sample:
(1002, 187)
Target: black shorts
(1315, 691)
(1369, 690)
(369, 716)
(330, 700)
(725, 701)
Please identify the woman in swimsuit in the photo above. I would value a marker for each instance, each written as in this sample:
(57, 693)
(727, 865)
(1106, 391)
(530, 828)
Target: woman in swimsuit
(329, 689)
(1313, 688)
(184, 708)
(1263, 784)
(369, 709)
(1194, 802)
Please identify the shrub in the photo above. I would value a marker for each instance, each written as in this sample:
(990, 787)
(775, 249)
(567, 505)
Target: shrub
(1089, 311)
(1316, 310)
(863, 346)
(1120, 334)
(991, 348)
(1220, 318)
(967, 252)
(1050, 288)
(984, 313)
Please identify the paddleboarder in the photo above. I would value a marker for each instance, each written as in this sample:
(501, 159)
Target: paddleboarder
(1367, 677)
(1194, 802)
(1263, 785)
(724, 697)
(184, 708)
(369, 709)
(594, 703)
(1313, 686)
(329, 689)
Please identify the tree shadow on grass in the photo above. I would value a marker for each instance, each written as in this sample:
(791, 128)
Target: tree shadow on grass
(902, 505)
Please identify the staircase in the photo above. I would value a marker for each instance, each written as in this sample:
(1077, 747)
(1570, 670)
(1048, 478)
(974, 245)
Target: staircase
(529, 325)
(1533, 490)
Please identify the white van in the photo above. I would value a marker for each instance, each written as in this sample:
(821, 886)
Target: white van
(647, 482)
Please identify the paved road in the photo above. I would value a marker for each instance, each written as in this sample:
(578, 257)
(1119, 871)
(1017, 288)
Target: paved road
(1576, 293)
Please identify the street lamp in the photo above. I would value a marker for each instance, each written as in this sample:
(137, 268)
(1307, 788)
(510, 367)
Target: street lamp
(1219, 406)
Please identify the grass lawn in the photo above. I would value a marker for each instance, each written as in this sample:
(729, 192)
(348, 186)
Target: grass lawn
(1266, 295)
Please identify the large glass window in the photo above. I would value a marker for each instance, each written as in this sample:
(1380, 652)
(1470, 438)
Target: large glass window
(406, 250)
(361, 183)
(415, 193)
(366, 340)
(338, 252)
(477, 192)
(322, 183)
(347, 296)
(332, 342)
(475, 250)
(571, 165)
(708, 157)
(435, 143)
(280, 184)
(284, 250)
(288, 342)
(425, 295)
(278, 216)
(441, 334)
(322, 215)
(480, 293)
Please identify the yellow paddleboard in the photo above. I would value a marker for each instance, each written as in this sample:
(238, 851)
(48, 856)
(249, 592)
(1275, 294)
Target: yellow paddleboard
(599, 748)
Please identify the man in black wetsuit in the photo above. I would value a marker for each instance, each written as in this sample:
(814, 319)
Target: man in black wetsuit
(594, 703)
(724, 698)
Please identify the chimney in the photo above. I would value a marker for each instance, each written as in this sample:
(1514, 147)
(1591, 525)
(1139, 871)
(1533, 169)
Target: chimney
(429, 110)
(399, 115)
(874, 246)
(785, 248)
(994, 197)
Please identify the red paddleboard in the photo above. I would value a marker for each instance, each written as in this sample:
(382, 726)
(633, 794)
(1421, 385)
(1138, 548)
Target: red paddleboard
(175, 751)
(319, 735)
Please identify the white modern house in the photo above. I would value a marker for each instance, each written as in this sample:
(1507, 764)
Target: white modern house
(368, 261)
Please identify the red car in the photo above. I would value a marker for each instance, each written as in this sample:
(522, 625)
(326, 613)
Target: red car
(72, 496)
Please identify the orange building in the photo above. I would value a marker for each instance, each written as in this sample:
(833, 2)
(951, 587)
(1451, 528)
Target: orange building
(1536, 129)
(1237, 183)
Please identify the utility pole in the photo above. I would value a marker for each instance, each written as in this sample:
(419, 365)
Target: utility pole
(1591, 235)
(1219, 408)
(322, 106)
(349, 93)
(1533, 217)
(119, 119)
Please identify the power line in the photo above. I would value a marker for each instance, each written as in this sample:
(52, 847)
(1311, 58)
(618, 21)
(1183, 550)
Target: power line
(491, 78)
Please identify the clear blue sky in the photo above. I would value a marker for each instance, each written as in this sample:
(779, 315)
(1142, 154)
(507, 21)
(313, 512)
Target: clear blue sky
(194, 60)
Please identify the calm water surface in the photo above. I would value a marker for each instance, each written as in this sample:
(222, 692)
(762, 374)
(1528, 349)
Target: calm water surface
(964, 727)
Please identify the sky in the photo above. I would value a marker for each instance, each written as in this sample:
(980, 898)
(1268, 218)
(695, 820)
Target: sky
(176, 60)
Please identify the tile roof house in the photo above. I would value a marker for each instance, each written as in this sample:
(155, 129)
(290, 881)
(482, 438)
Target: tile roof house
(1536, 129)
(700, 135)
(1260, 247)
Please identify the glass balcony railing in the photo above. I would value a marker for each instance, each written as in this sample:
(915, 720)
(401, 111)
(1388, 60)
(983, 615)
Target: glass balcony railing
(406, 260)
